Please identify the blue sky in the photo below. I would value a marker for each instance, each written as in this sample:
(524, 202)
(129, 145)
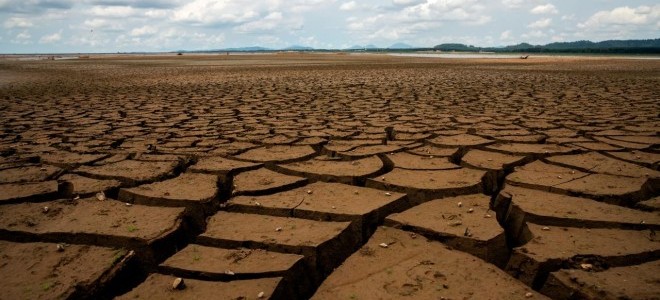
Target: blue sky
(43, 26)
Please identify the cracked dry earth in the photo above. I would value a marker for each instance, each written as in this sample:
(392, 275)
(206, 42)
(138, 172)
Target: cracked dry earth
(329, 177)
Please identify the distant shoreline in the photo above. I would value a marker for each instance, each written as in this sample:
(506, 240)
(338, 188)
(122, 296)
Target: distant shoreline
(394, 53)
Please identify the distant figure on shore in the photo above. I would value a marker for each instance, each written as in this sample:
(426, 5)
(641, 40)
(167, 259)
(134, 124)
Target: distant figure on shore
(524, 56)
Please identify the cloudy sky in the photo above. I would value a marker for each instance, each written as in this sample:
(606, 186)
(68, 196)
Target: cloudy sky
(47, 26)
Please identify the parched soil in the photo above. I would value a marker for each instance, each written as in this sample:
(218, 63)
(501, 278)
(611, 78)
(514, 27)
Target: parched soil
(327, 176)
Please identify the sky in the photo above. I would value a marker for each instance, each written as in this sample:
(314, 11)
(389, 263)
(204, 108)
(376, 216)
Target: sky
(77, 26)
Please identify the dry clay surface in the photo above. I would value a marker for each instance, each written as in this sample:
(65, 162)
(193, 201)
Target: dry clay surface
(297, 176)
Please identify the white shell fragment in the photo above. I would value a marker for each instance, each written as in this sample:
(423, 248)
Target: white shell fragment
(546, 228)
(229, 272)
(586, 267)
(383, 245)
(100, 196)
(260, 295)
(178, 284)
(388, 194)
(129, 204)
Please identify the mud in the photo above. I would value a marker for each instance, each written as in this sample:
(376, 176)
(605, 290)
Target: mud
(329, 177)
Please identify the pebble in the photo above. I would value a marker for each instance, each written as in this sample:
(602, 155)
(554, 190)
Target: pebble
(355, 192)
(471, 210)
(333, 207)
(46, 209)
(460, 204)
(257, 203)
(43, 169)
(100, 196)
(388, 194)
(454, 224)
(488, 216)
(260, 295)
(546, 228)
(309, 192)
(77, 197)
(586, 267)
(413, 235)
(129, 204)
(559, 176)
(178, 284)
(383, 245)
(529, 295)
(229, 272)
(60, 247)
(278, 229)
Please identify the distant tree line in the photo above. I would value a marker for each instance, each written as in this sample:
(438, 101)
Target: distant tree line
(612, 46)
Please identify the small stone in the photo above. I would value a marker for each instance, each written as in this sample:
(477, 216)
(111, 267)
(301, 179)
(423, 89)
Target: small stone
(431, 156)
(586, 267)
(388, 194)
(178, 284)
(487, 216)
(260, 295)
(333, 207)
(309, 192)
(355, 192)
(413, 235)
(257, 203)
(229, 272)
(546, 228)
(454, 224)
(100, 196)
(382, 178)
(43, 169)
(383, 245)
(77, 197)
(471, 210)
(45, 209)
(467, 232)
(278, 229)
(460, 204)
(60, 247)
(559, 176)
(490, 159)
(129, 204)
(572, 172)
(529, 295)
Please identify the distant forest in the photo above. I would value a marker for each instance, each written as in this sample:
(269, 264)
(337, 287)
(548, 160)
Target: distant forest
(612, 46)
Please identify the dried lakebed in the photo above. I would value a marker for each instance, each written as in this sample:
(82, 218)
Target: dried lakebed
(329, 177)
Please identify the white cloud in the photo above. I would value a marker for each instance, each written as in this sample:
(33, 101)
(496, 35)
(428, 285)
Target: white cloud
(348, 6)
(210, 12)
(51, 38)
(23, 36)
(513, 3)
(542, 23)
(113, 11)
(506, 35)
(544, 9)
(16, 22)
(143, 31)
(624, 16)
